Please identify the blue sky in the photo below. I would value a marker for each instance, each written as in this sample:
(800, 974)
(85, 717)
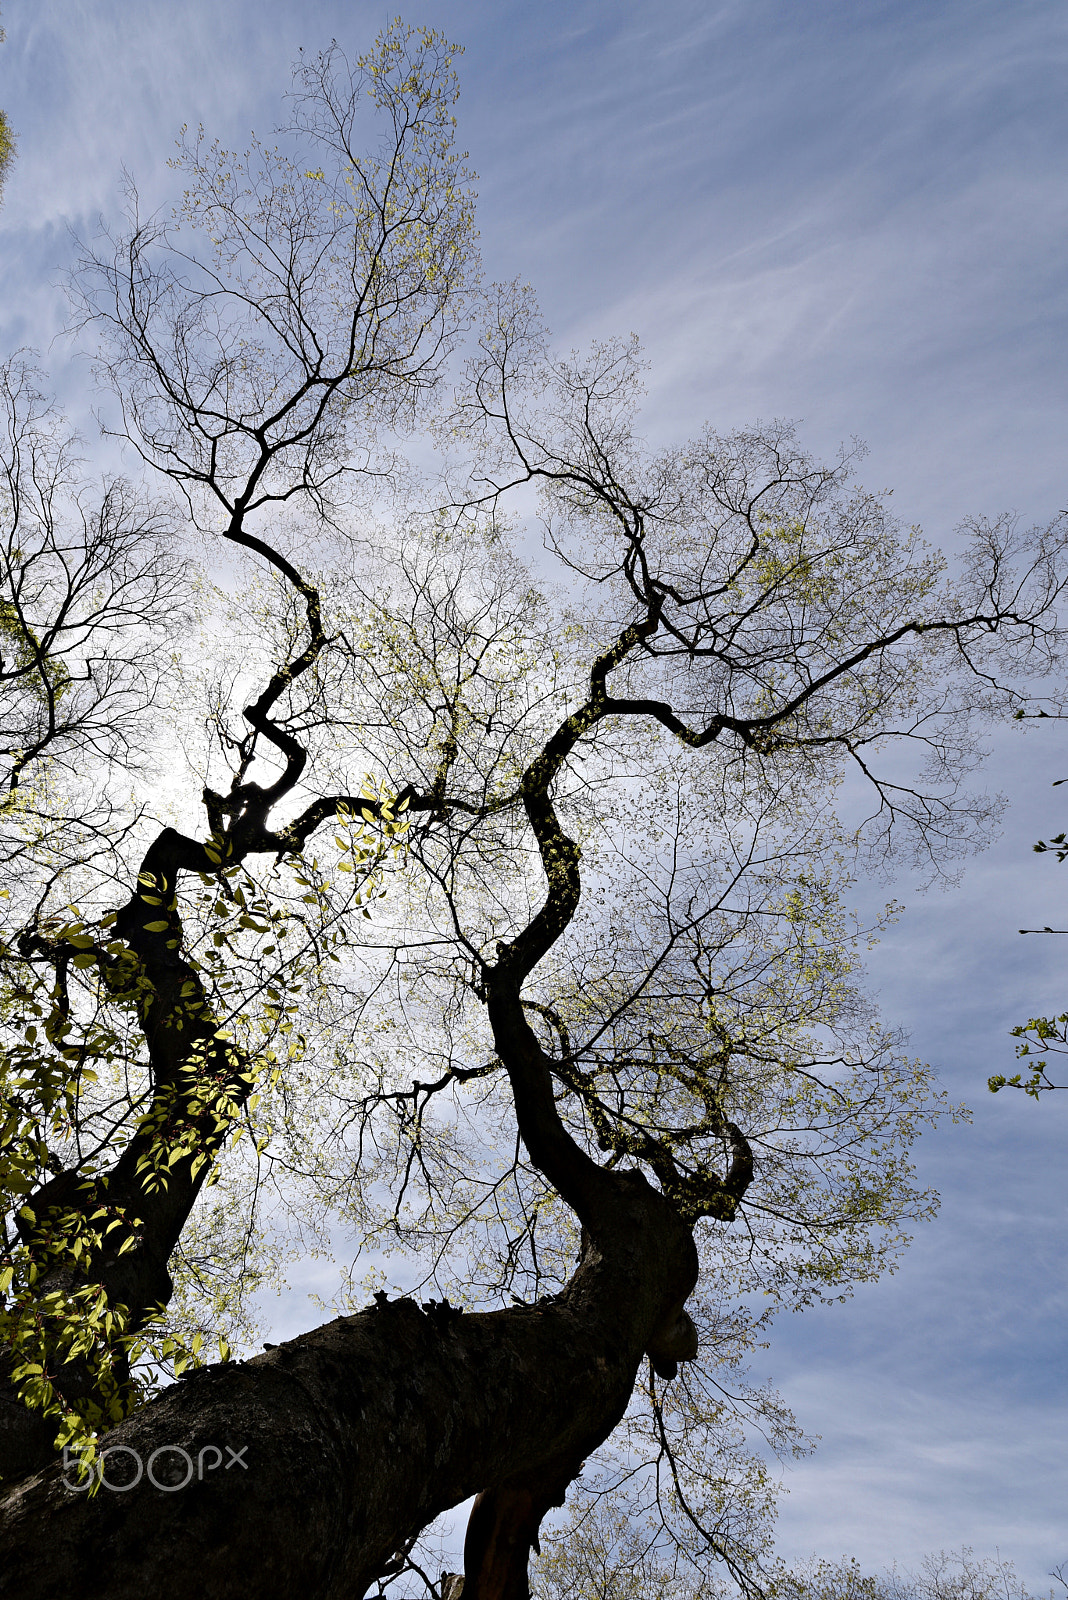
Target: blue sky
(849, 212)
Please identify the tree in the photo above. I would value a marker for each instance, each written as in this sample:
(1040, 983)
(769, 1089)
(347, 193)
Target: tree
(511, 930)
(7, 140)
(1041, 1036)
(92, 598)
(598, 1558)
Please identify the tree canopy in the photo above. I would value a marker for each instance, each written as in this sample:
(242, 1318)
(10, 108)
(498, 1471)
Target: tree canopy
(376, 874)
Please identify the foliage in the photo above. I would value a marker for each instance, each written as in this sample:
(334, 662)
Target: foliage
(1041, 1036)
(7, 140)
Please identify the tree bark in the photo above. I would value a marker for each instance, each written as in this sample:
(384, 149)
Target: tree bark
(350, 1439)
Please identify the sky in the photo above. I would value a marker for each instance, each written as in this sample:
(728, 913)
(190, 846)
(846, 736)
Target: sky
(852, 213)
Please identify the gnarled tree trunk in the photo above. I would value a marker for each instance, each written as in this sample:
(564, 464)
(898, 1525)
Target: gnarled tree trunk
(309, 1466)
